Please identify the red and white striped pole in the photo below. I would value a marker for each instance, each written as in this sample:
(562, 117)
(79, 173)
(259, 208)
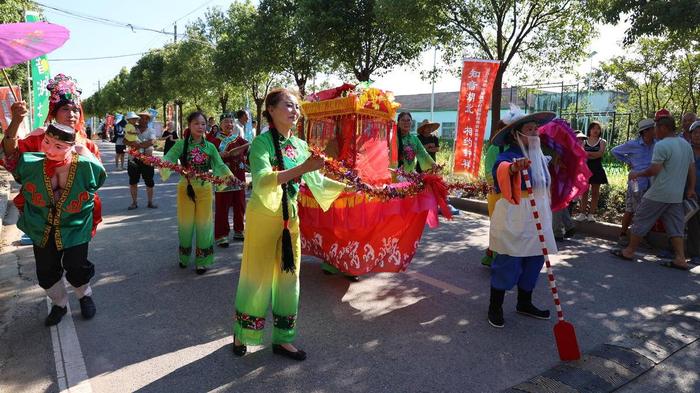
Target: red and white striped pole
(564, 332)
(545, 252)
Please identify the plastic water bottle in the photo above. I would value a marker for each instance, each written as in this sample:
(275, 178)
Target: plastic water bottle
(634, 185)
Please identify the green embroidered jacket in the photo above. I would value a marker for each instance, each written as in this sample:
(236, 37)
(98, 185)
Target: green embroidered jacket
(71, 214)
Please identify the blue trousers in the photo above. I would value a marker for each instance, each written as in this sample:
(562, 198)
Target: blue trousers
(506, 271)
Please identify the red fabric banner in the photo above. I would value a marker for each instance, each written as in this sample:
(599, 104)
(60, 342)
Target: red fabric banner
(474, 102)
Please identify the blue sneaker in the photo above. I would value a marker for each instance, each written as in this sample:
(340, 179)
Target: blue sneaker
(25, 240)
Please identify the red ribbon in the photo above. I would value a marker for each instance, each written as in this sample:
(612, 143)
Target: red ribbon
(439, 188)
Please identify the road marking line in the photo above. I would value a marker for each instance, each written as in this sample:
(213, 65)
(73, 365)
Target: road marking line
(68, 357)
(437, 283)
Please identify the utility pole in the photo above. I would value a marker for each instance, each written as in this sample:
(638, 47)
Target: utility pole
(432, 92)
(175, 34)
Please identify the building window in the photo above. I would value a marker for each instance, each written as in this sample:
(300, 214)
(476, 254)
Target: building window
(448, 130)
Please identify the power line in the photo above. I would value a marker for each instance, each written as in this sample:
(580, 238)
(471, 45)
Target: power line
(113, 23)
(104, 21)
(100, 58)
(193, 11)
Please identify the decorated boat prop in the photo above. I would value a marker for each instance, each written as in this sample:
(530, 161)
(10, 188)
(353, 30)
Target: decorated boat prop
(377, 227)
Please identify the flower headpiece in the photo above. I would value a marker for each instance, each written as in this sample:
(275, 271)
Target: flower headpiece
(63, 88)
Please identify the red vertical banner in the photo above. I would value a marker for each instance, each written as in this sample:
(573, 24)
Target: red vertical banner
(474, 102)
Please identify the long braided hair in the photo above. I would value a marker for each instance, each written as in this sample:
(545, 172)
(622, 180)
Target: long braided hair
(273, 98)
(184, 156)
(400, 138)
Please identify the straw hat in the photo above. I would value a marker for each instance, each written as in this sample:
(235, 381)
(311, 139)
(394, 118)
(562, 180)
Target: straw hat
(644, 125)
(144, 113)
(515, 118)
(427, 126)
(131, 115)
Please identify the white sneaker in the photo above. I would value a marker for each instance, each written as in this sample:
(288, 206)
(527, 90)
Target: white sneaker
(590, 218)
(580, 217)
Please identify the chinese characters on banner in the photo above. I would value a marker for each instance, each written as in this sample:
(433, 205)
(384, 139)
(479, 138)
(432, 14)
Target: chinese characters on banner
(474, 102)
(40, 78)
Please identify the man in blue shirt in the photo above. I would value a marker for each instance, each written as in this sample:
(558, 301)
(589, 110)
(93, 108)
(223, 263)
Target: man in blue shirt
(636, 154)
(673, 169)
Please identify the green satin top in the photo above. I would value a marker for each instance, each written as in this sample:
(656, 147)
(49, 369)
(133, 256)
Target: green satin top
(267, 194)
(202, 157)
(413, 146)
(70, 216)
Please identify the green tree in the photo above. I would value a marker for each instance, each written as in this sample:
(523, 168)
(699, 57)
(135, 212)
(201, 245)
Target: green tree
(656, 76)
(187, 72)
(113, 96)
(283, 23)
(241, 54)
(207, 31)
(678, 19)
(365, 37)
(544, 34)
(145, 82)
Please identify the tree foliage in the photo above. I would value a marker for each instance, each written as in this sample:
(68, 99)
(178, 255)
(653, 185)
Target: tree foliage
(290, 39)
(365, 37)
(678, 19)
(242, 55)
(655, 75)
(544, 34)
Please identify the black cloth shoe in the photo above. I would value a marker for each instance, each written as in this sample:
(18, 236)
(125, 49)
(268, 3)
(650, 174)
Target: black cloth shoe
(526, 307)
(201, 270)
(55, 315)
(87, 307)
(279, 350)
(496, 308)
(570, 233)
(239, 350)
(182, 265)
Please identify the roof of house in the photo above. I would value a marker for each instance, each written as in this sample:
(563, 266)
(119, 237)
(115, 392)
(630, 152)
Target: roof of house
(447, 101)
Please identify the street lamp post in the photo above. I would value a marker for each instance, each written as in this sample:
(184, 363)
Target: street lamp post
(590, 77)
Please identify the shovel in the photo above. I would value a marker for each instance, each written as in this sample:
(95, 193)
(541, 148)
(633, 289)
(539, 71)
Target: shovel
(564, 333)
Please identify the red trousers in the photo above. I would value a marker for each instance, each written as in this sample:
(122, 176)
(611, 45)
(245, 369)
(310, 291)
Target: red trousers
(223, 201)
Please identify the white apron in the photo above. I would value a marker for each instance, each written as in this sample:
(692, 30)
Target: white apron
(513, 231)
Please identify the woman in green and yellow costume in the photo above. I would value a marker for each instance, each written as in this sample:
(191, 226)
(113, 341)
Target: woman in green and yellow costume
(410, 149)
(272, 248)
(194, 197)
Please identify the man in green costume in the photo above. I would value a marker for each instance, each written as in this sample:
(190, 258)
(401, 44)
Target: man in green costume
(59, 186)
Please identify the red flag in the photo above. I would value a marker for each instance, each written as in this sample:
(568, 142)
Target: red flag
(474, 102)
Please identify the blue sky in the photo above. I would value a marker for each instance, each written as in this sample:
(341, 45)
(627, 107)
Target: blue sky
(90, 39)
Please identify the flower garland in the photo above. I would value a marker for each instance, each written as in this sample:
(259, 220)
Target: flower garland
(414, 183)
(204, 176)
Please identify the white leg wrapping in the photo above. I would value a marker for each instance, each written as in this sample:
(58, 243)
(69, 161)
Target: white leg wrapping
(58, 294)
(83, 290)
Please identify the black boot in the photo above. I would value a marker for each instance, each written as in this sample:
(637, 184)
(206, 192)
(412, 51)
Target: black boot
(87, 307)
(525, 306)
(496, 307)
(55, 315)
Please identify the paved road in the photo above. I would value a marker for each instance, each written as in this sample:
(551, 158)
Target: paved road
(163, 329)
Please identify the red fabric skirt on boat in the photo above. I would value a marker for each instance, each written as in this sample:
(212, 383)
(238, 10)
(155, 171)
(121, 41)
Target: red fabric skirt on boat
(360, 235)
